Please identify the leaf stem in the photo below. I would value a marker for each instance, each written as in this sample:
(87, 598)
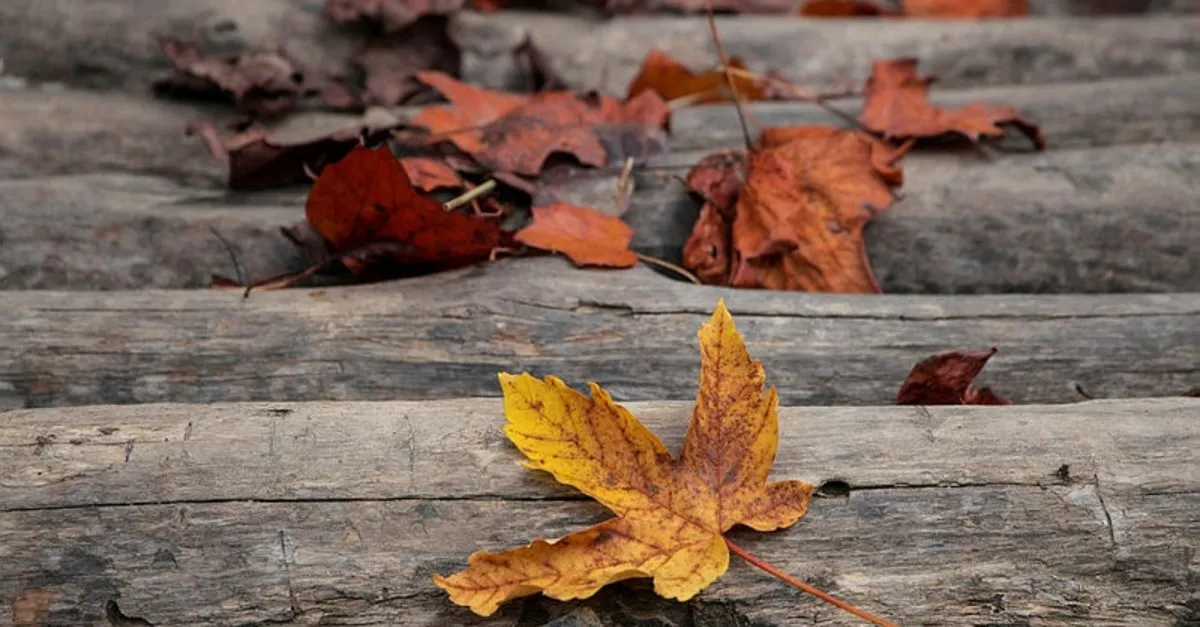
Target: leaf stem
(800, 94)
(662, 263)
(469, 195)
(786, 578)
(737, 98)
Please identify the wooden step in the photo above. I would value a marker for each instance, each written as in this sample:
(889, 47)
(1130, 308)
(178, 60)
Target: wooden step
(447, 335)
(113, 45)
(1118, 219)
(309, 512)
(819, 53)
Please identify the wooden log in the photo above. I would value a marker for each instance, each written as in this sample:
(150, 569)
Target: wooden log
(1119, 219)
(67, 131)
(820, 53)
(111, 45)
(448, 335)
(107, 45)
(1113, 220)
(114, 231)
(1074, 115)
(335, 512)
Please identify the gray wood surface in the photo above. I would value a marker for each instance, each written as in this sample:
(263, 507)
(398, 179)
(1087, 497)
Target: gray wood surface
(112, 44)
(1120, 219)
(821, 53)
(447, 335)
(339, 513)
(68, 131)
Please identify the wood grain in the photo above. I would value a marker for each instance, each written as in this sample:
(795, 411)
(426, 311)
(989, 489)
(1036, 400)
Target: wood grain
(822, 53)
(336, 512)
(1119, 219)
(57, 131)
(447, 335)
(113, 44)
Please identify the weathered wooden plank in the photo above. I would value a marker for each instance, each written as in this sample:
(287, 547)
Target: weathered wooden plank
(111, 44)
(1114, 220)
(111, 455)
(113, 231)
(114, 44)
(819, 53)
(1072, 115)
(447, 336)
(340, 513)
(44, 131)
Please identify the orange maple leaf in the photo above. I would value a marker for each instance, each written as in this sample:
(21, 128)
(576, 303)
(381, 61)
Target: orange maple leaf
(586, 236)
(429, 174)
(471, 108)
(515, 133)
(671, 513)
(665, 75)
(897, 105)
(965, 9)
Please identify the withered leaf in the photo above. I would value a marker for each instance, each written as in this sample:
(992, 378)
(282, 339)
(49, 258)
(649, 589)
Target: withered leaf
(670, 513)
(697, 6)
(430, 174)
(965, 9)
(471, 109)
(945, 379)
(262, 84)
(897, 105)
(586, 236)
(516, 134)
(366, 207)
(561, 122)
(844, 8)
(260, 158)
(799, 218)
(673, 80)
(390, 62)
(392, 15)
(717, 180)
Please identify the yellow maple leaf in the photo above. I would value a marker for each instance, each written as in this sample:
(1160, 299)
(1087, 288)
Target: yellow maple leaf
(671, 513)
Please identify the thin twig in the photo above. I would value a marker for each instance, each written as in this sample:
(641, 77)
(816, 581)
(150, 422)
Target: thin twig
(655, 261)
(469, 195)
(691, 99)
(802, 95)
(237, 266)
(786, 578)
(288, 279)
(622, 192)
(737, 98)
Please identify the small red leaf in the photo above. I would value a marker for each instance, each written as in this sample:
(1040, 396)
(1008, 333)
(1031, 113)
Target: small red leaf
(945, 379)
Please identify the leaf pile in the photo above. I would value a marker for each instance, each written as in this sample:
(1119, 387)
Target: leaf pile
(671, 513)
(788, 213)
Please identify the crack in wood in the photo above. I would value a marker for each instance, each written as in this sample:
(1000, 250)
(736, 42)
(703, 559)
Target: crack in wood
(1112, 532)
(627, 309)
(498, 498)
